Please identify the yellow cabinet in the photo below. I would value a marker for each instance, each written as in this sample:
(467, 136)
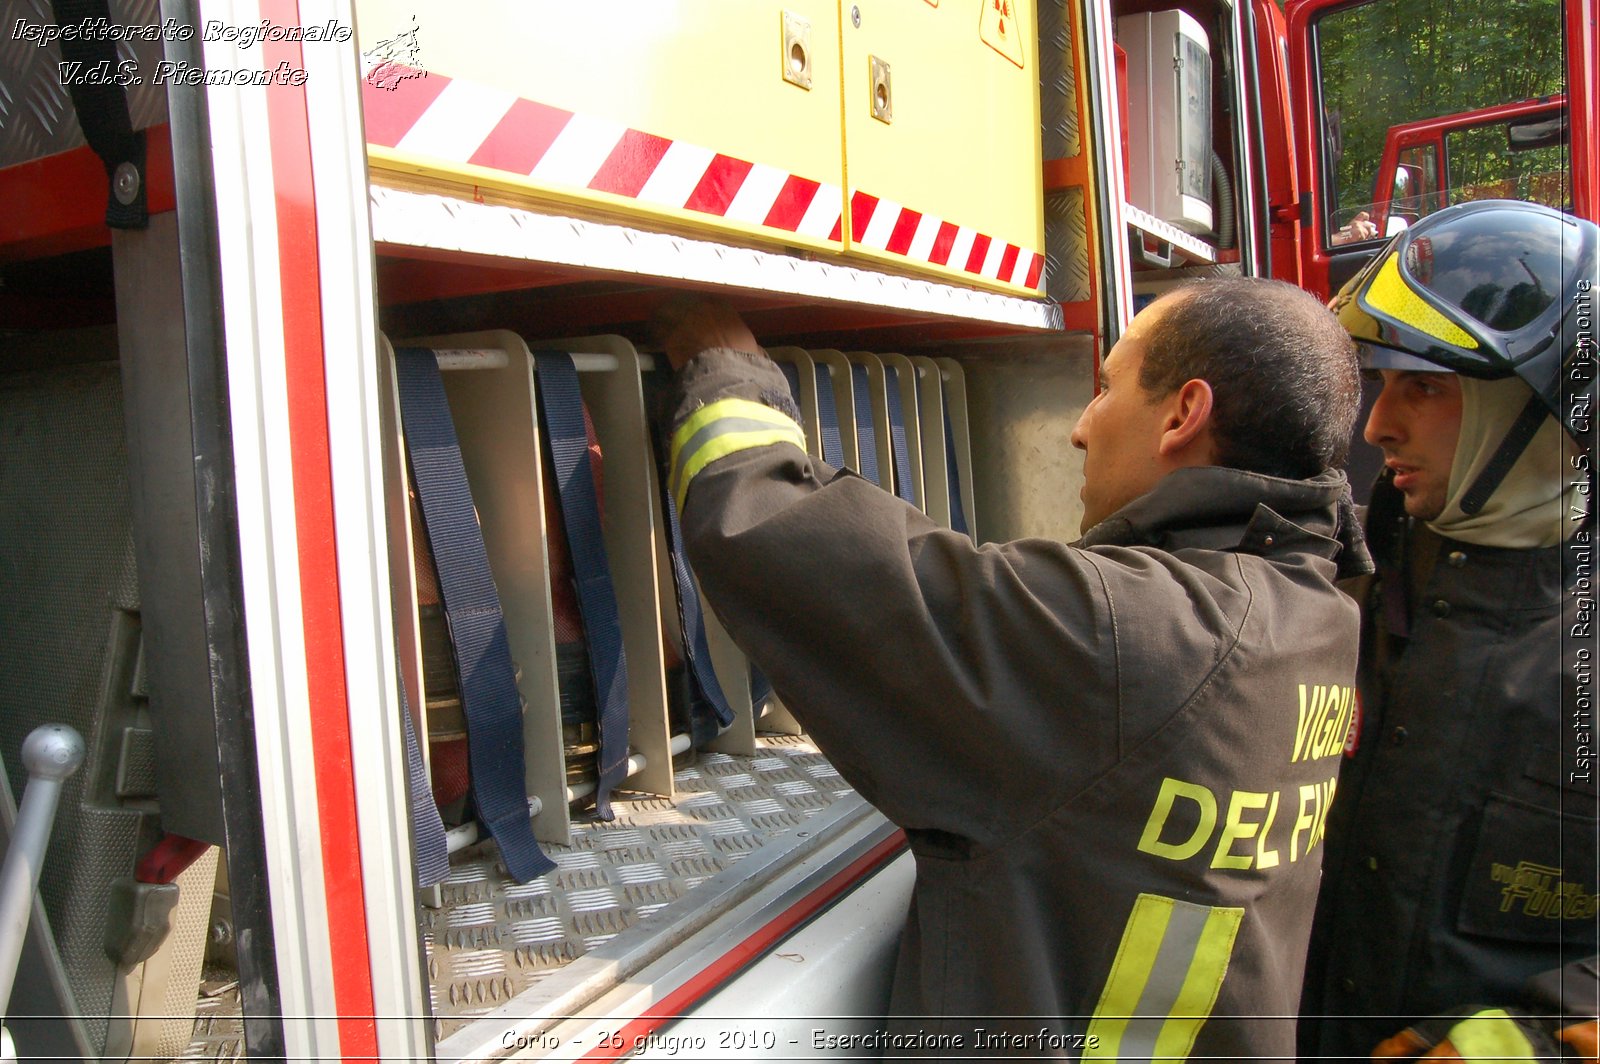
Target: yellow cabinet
(941, 129)
(904, 132)
(717, 116)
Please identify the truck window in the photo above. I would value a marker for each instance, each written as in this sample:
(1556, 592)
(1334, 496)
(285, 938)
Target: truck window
(1485, 162)
(1397, 63)
(1414, 191)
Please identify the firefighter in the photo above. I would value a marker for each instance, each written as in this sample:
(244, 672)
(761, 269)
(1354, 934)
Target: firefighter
(1459, 888)
(1112, 759)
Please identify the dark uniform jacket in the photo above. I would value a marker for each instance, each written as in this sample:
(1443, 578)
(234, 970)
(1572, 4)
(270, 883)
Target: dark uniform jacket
(1461, 851)
(1113, 760)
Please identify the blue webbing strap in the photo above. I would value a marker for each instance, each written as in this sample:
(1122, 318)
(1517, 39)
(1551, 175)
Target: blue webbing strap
(866, 428)
(958, 516)
(791, 373)
(897, 435)
(427, 830)
(828, 418)
(561, 404)
(472, 612)
(760, 686)
(693, 622)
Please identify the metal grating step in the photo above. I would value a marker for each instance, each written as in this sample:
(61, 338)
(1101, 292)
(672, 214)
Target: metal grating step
(493, 939)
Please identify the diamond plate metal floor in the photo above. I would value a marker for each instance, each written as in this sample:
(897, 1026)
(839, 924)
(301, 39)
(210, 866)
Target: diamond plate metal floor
(493, 939)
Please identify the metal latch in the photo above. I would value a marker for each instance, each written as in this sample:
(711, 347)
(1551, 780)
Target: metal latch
(796, 50)
(882, 90)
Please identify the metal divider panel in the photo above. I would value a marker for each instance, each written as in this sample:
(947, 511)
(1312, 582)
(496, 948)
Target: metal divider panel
(727, 660)
(733, 668)
(402, 547)
(672, 635)
(614, 396)
(930, 423)
(733, 673)
(844, 396)
(955, 398)
(807, 371)
(905, 379)
(883, 440)
(161, 991)
(489, 383)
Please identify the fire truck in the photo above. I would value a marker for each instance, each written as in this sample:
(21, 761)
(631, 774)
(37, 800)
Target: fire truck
(264, 262)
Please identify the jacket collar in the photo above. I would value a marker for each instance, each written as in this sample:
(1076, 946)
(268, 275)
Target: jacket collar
(1216, 508)
(1524, 575)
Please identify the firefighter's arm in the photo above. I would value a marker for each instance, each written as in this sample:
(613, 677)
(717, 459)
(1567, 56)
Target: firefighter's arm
(883, 633)
(1558, 1024)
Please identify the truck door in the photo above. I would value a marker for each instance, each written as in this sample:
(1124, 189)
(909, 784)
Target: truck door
(1361, 71)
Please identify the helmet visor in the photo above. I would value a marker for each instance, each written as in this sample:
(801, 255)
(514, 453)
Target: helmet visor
(1501, 277)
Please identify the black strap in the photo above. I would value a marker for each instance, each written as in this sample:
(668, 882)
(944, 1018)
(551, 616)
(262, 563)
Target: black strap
(489, 694)
(427, 830)
(1517, 439)
(958, 514)
(897, 436)
(828, 418)
(561, 407)
(866, 427)
(102, 107)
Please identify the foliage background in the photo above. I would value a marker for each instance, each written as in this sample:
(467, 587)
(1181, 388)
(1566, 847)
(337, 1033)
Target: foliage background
(1402, 60)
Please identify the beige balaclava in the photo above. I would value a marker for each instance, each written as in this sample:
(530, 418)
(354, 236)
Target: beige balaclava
(1538, 504)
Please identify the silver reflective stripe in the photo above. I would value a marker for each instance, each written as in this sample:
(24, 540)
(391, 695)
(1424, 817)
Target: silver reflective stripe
(1167, 975)
(687, 449)
(1163, 981)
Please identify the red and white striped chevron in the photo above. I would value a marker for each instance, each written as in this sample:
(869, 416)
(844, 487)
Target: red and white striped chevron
(458, 121)
(883, 225)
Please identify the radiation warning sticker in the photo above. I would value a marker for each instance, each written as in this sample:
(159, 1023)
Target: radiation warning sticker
(1001, 30)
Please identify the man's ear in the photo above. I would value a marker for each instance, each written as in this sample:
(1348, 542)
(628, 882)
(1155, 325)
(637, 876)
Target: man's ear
(1187, 431)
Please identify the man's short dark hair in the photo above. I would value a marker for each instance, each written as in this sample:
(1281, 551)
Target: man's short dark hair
(1283, 373)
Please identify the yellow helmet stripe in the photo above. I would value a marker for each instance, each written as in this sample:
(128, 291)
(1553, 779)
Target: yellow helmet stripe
(1389, 294)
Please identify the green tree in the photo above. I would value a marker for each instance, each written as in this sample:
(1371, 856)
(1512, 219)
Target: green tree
(1397, 61)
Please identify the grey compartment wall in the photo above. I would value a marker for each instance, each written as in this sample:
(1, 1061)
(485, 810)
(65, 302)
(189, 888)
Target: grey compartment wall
(1023, 397)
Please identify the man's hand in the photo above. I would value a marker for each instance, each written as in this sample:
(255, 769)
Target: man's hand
(1481, 1034)
(1584, 1038)
(688, 325)
(1361, 227)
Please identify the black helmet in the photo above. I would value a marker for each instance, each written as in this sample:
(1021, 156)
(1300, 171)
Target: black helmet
(1488, 289)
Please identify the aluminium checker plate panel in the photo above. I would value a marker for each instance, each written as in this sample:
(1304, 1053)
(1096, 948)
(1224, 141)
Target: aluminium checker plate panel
(36, 115)
(493, 939)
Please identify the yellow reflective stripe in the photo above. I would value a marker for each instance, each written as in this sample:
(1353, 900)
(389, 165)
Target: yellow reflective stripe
(745, 409)
(1491, 1035)
(1130, 970)
(1390, 294)
(1201, 985)
(727, 443)
(1164, 980)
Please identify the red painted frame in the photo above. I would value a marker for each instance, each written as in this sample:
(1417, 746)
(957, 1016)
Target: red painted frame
(1431, 132)
(57, 204)
(1583, 48)
(288, 121)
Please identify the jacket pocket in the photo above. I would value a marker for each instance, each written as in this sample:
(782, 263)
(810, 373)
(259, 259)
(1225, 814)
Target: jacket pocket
(1532, 876)
(1547, 765)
